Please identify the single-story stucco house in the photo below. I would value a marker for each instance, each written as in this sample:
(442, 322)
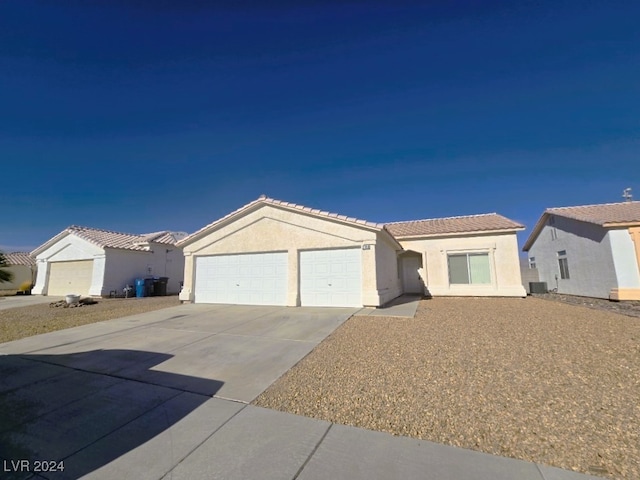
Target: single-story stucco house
(271, 252)
(589, 250)
(96, 262)
(23, 268)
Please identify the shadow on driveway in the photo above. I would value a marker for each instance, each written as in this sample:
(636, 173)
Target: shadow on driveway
(54, 408)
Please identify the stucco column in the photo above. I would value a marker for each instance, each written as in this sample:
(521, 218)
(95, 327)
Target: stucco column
(635, 237)
(186, 294)
(42, 278)
(423, 273)
(293, 278)
(629, 293)
(97, 277)
(370, 294)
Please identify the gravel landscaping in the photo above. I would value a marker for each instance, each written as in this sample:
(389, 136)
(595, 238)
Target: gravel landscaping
(533, 379)
(16, 323)
(631, 308)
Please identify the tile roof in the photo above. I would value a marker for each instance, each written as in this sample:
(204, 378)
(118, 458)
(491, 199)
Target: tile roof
(164, 237)
(110, 239)
(127, 241)
(19, 258)
(451, 225)
(603, 214)
(263, 199)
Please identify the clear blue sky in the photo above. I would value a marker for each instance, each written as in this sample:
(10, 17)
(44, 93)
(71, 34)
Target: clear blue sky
(140, 116)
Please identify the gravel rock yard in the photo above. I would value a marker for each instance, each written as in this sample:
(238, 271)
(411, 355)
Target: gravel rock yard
(16, 323)
(631, 308)
(527, 378)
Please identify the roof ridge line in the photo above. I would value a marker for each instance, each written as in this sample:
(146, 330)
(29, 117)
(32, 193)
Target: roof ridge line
(443, 218)
(317, 211)
(592, 205)
(80, 227)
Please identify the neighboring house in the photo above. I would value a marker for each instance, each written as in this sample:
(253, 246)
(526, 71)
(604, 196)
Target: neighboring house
(590, 250)
(95, 262)
(23, 268)
(271, 252)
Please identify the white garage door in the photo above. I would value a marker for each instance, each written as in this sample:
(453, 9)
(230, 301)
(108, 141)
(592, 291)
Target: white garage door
(70, 277)
(245, 279)
(331, 278)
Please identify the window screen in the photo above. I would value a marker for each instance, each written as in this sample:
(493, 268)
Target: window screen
(458, 269)
(469, 268)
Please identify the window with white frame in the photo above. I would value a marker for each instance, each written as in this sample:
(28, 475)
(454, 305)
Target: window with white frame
(564, 265)
(469, 268)
(532, 262)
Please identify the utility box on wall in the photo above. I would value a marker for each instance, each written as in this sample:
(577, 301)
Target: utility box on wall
(538, 287)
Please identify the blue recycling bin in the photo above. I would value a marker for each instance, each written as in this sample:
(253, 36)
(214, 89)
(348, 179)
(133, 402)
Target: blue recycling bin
(140, 290)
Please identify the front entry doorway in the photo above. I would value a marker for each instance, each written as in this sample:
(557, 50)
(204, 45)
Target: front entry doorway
(411, 281)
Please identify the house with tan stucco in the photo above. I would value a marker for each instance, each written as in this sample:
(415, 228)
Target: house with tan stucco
(271, 252)
(22, 266)
(589, 250)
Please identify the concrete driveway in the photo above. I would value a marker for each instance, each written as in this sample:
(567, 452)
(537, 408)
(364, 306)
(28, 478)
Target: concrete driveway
(91, 394)
(16, 301)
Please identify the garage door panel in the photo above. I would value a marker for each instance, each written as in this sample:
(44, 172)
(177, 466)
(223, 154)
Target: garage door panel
(246, 279)
(331, 278)
(70, 277)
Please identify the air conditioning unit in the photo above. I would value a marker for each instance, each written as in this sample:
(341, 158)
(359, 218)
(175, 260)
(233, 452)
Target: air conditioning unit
(538, 287)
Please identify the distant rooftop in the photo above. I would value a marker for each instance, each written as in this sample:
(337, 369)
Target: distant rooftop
(602, 214)
(19, 258)
(110, 239)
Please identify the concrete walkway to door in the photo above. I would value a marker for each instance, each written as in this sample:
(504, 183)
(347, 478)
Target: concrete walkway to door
(163, 395)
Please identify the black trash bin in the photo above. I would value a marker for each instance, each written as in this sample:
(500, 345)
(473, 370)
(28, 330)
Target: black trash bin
(148, 287)
(160, 286)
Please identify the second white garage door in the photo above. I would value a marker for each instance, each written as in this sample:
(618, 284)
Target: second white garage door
(331, 278)
(244, 279)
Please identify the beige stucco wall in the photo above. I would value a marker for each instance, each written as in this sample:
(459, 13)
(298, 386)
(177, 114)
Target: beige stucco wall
(268, 228)
(627, 267)
(21, 274)
(388, 277)
(503, 259)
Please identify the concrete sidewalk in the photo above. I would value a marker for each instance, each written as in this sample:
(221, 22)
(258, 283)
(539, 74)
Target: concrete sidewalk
(253, 442)
(164, 395)
(403, 306)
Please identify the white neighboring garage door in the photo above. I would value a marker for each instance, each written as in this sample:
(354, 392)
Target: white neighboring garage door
(331, 278)
(70, 277)
(244, 279)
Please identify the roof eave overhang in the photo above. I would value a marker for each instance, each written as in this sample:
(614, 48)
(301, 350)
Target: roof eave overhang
(620, 224)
